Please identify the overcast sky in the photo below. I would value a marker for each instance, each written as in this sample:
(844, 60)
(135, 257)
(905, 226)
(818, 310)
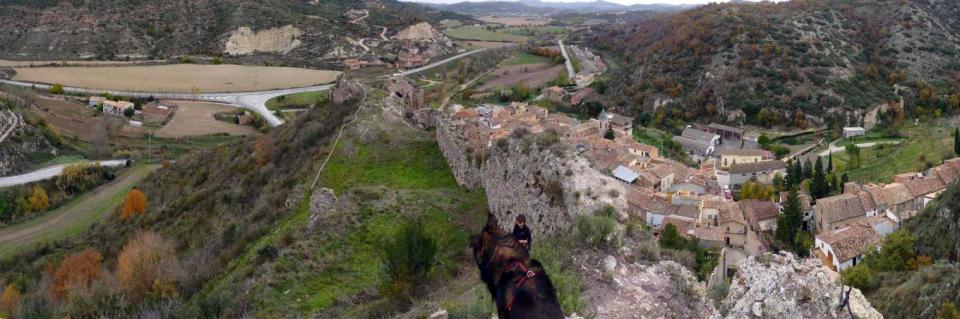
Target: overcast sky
(617, 1)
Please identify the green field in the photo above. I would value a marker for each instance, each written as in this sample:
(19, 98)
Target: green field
(527, 58)
(929, 143)
(481, 33)
(533, 31)
(297, 100)
(73, 218)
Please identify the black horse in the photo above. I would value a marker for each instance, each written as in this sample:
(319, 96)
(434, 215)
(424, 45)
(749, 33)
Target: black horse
(519, 285)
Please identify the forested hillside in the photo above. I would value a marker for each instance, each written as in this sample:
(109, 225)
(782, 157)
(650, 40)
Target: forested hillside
(789, 63)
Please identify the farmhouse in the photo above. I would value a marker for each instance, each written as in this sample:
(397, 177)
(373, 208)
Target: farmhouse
(844, 248)
(849, 132)
(95, 101)
(554, 94)
(116, 107)
(157, 113)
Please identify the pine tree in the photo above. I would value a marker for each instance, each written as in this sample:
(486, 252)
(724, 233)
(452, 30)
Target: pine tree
(808, 168)
(819, 187)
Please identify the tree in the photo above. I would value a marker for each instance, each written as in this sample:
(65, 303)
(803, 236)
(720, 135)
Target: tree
(147, 266)
(895, 253)
(76, 271)
(217, 60)
(956, 141)
(129, 112)
(844, 179)
(807, 169)
(670, 238)
(853, 154)
(857, 276)
(830, 162)
(609, 135)
(10, 302)
(409, 257)
(56, 89)
(38, 199)
(819, 188)
(789, 222)
(134, 204)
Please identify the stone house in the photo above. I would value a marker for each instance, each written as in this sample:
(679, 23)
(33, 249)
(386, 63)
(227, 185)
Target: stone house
(923, 188)
(893, 200)
(761, 214)
(844, 248)
(95, 101)
(116, 108)
(839, 211)
(648, 205)
(730, 219)
(577, 98)
(761, 172)
(554, 94)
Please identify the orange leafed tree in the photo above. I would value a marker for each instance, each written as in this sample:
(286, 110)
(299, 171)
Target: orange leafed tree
(79, 270)
(135, 203)
(147, 266)
(10, 302)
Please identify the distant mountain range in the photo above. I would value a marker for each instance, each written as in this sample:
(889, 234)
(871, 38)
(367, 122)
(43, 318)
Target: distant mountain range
(537, 7)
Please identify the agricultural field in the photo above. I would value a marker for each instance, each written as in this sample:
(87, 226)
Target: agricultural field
(480, 33)
(197, 119)
(71, 119)
(527, 58)
(297, 100)
(531, 75)
(13, 64)
(473, 45)
(515, 21)
(179, 78)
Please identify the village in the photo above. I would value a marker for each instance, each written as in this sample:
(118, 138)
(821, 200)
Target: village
(700, 203)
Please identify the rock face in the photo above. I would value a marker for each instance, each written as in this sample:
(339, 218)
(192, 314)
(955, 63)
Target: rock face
(345, 89)
(781, 286)
(245, 41)
(662, 290)
(419, 31)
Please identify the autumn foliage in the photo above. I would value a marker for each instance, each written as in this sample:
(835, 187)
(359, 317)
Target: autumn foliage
(10, 302)
(38, 199)
(79, 270)
(134, 204)
(147, 267)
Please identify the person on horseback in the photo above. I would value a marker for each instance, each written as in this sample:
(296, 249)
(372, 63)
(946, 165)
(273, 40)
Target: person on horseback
(521, 232)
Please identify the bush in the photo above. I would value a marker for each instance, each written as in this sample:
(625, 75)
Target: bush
(857, 276)
(10, 302)
(134, 204)
(217, 60)
(147, 267)
(56, 89)
(600, 230)
(408, 258)
(79, 270)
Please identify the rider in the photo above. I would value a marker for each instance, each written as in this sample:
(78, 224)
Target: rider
(521, 232)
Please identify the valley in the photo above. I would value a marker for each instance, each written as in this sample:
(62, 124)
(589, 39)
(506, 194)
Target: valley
(368, 159)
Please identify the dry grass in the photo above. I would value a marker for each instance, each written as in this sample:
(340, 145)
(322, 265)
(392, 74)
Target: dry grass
(183, 78)
(532, 75)
(9, 63)
(196, 119)
(70, 118)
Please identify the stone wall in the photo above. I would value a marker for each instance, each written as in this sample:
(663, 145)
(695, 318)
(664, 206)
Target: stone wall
(538, 177)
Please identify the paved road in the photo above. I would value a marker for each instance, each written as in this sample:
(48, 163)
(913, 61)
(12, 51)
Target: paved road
(49, 172)
(570, 74)
(438, 63)
(253, 100)
(8, 123)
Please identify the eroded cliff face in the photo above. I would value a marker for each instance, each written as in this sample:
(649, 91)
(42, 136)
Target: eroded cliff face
(245, 41)
(538, 175)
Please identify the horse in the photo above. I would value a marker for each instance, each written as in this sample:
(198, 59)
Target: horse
(519, 285)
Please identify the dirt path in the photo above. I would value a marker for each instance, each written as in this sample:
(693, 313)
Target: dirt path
(73, 218)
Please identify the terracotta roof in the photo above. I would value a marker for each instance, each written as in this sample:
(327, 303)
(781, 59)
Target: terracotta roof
(919, 186)
(851, 241)
(688, 211)
(947, 173)
(805, 199)
(731, 212)
(890, 194)
(867, 200)
(707, 233)
(682, 224)
(620, 120)
(841, 207)
(742, 152)
(762, 166)
(759, 210)
(689, 142)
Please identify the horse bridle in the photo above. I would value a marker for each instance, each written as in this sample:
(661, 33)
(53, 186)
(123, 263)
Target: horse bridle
(516, 263)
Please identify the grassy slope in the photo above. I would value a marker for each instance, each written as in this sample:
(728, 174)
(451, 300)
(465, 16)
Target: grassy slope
(296, 100)
(323, 272)
(932, 142)
(75, 217)
(526, 58)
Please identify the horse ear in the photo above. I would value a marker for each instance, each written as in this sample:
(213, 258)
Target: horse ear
(492, 222)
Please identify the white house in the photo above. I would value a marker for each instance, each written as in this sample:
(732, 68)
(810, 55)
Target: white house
(849, 132)
(116, 107)
(844, 248)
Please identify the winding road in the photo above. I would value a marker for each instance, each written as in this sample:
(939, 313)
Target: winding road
(50, 172)
(439, 63)
(253, 100)
(570, 74)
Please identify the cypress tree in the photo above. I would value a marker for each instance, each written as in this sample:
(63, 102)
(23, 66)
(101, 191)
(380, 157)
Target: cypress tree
(830, 162)
(808, 168)
(819, 187)
(956, 141)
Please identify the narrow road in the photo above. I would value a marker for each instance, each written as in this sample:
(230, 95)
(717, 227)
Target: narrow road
(75, 217)
(438, 63)
(50, 172)
(570, 74)
(255, 101)
(8, 123)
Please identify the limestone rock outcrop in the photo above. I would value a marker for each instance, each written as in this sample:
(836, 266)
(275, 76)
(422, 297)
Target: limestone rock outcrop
(281, 40)
(782, 286)
(662, 290)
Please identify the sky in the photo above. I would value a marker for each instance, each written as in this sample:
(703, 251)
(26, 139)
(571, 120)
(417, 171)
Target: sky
(627, 2)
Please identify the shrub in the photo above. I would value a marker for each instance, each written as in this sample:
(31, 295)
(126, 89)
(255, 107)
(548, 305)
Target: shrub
(147, 267)
(56, 89)
(79, 270)
(857, 276)
(600, 230)
(671, 239)
(10, 302)
(217, 60)
(408, 258)
(38, 199)
(134, 204)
